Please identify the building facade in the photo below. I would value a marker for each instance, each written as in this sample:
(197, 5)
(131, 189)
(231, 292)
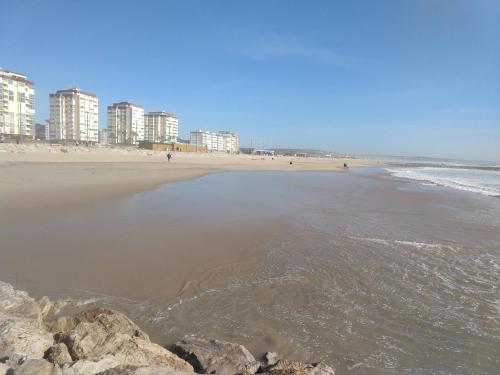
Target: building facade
(74, 116)
(223, 141)
(161, 127)
(42, 131)
(125, 123)
(104, 138)
(17, 105)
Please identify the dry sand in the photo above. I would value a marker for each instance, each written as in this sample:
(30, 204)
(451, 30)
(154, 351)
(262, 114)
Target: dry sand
(43, 176)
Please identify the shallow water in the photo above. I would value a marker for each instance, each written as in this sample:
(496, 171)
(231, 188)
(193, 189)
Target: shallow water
(369, 273)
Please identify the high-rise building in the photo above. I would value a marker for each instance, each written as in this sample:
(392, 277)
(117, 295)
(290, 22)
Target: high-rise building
(74, 116)
(17, 104)
(161, 127)
(42, 130)
(125, 123)
(224, 141)
(104, 138)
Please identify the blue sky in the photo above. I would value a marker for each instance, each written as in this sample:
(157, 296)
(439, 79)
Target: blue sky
(381, 77)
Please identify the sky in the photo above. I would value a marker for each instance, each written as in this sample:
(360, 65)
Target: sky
(400, 77)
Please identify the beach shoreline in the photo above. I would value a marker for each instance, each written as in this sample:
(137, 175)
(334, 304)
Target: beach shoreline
(56, 177)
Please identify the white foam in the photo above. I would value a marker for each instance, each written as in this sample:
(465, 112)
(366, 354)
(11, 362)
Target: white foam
(473, 180)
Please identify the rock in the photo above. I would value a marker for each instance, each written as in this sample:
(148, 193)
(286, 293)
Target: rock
(58, 354)
(215, 357)
(3, 369)
(17, 303)
(283, 367)
(22, 337)
(269, 359)
(143, 370)
(112, 321)
(85, 367)
(45, 306)
(97, 333)
(37, 367)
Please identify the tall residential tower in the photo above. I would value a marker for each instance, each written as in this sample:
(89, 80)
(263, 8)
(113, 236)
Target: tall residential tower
(74, 116)
(161, 127)
(17, 104)
(125, 123)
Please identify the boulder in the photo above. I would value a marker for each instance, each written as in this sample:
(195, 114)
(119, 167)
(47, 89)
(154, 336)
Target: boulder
(85, 367)
(17, 303)
(58, 354)
(283, 367)
(269, 359)
(111, 320)
(143, 370)
(3, 368)
(37, 367)
(22, 337)
(216, 357)
(96, 333)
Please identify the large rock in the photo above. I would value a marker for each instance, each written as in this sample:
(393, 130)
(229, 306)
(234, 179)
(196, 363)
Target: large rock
(58, 354)
(283, 367)
(18, 303)
(3, 368)
(97, 333)
(269, 359)
(37, 367)
(22, 337)
(216, 357)
(112, 321)
(143, 370)
(85, 367)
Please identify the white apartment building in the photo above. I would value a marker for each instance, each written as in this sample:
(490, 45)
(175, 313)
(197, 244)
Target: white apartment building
(17, 104)
(161, 127)
(224, 141)
(125, 123)
(74, 116)
(104, 138)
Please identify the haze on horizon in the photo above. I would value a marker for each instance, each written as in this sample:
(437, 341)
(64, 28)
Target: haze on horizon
(387, 77)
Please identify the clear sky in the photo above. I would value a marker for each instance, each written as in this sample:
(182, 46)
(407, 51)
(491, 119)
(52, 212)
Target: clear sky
(394, 77)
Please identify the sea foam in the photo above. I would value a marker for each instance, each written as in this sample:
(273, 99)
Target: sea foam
(486, 182)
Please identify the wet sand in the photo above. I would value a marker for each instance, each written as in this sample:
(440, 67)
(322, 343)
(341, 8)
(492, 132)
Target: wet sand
(34, 177)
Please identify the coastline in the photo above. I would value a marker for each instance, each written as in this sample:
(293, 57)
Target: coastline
(46, 177)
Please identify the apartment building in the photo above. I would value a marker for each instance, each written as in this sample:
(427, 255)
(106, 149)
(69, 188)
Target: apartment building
(104, 138)
(74, 116)
(17, 105)
(224, 141)
(161, 127)
(125, 123)
(42, 131)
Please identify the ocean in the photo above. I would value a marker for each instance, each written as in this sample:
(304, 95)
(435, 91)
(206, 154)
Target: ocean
(476, 177)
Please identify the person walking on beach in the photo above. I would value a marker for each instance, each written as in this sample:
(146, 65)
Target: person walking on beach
(169, 156)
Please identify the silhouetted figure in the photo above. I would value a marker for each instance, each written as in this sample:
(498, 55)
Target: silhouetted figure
(345, 165)
(169, 156)
(291, 162)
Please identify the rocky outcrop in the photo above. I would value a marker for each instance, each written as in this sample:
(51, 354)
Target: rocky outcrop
(36, 338)
(144, 370)
(283, 367)
(216, 357)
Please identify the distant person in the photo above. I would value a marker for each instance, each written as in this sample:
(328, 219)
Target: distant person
(169, 156)
(345, 165)
(291, 162)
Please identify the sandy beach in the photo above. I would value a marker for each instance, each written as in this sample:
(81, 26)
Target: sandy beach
(48, 185)
(43, 176)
